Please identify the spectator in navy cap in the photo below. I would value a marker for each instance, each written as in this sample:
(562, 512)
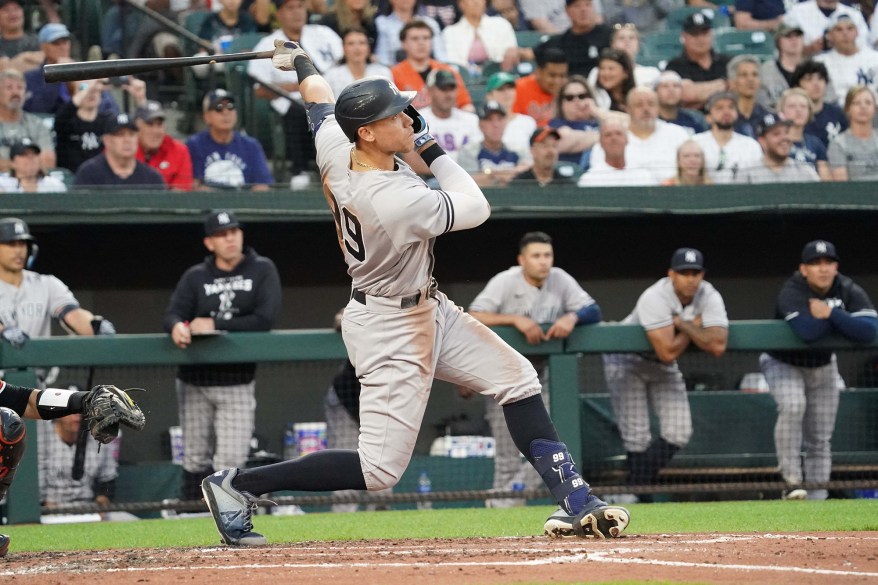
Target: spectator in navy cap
(25, 176)
(222, 157)
(776, 165)
(118, 165)
(703, 70)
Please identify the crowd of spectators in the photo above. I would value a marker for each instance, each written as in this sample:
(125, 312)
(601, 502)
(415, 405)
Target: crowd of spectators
(697, 117)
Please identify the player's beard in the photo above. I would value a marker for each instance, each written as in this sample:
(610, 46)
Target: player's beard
(725, 125)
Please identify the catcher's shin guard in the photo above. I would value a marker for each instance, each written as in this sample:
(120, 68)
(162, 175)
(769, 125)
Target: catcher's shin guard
(12, 443)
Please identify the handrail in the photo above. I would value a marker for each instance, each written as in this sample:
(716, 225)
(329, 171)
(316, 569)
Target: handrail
(326, 344)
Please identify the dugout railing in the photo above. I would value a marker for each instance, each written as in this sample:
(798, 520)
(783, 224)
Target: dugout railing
(731, 448)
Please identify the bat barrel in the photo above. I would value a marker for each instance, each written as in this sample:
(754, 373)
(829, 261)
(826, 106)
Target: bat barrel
(117, 67)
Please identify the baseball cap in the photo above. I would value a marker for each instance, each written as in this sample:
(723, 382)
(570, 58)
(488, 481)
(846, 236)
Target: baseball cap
(718, 96)
(219, 220)
(119, 122)
(150, 111)
(441, 78)
(838, 18)
(769, 121)
(786, 30)
(818, 249)
(52, 32)
(215, 97)
(498, 80)
(541, 134)
(23, 146)
(687, 259)
(491, 107)
(697, 22)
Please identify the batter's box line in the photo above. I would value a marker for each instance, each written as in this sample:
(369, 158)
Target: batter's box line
(604, 558)
(50, 570)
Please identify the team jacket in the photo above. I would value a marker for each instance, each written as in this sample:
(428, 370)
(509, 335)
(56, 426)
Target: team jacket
(792, 303)
(246, 299)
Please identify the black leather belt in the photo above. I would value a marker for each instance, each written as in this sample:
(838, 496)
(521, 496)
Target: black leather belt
(404, 302)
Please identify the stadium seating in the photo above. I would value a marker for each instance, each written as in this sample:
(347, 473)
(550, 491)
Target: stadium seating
(659, 47)
(530, 38)
(741, 42)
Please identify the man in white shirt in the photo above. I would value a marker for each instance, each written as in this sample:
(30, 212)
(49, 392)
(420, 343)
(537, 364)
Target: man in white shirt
(613, 170)
(813, 17)
(849, 63)
(325, 48)
(452, 127)
(777, 166)
(652, 143)
(726, 153)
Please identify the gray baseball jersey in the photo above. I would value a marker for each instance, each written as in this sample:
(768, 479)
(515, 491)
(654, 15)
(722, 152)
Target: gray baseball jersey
(508, 292)
(658, 305)
(399, 331)
(32, 306)
(637, 382)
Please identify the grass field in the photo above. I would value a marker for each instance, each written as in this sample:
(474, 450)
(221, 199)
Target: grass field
(775, 516)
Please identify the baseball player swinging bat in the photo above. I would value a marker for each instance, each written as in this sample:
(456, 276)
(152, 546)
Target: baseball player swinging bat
(118, 67)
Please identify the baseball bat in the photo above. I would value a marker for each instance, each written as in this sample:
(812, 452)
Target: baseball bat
(118, 67)
(81, 440)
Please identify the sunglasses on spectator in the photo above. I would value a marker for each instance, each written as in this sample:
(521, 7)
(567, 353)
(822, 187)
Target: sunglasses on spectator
(223, 106)
(576, 96)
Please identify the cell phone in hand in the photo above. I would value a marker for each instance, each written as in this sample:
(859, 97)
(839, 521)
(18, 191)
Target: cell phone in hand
(119, 81)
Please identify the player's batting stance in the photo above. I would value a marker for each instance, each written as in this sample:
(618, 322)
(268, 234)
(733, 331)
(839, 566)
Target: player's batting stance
(102, 407)
(399, 330)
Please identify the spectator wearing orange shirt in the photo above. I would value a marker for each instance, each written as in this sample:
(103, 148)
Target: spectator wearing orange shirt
(411, 73)
(535, 94)
(168, 156)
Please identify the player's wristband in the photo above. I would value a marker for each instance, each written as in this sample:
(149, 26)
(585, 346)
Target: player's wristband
(304, 67)
(55, 402)
(423, 139)
(431, 153)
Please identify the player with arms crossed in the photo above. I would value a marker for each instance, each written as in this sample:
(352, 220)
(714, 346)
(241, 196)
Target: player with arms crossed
(399, 330)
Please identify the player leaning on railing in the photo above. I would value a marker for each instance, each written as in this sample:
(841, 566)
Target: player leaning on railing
(400, 331)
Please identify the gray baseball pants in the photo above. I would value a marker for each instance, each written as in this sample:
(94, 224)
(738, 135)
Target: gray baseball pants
(807, 404)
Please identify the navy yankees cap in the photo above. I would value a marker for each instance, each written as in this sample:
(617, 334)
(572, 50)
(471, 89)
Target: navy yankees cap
(687, 259)
(490, 107)
(697, 22)
(22, 146)
(215, 97)
(219, 220)
(818, 249)
(769, 121)
(119, 122)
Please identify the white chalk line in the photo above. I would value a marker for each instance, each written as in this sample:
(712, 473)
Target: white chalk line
(587, 554)
(601, 557)
(370, 565)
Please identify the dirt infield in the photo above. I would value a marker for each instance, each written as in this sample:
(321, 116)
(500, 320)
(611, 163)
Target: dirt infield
(707, 558)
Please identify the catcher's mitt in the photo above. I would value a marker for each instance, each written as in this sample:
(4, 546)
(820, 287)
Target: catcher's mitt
(106, 407)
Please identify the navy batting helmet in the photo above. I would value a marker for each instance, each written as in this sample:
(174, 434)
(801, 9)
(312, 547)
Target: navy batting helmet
(368, 100)
(13, 229)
